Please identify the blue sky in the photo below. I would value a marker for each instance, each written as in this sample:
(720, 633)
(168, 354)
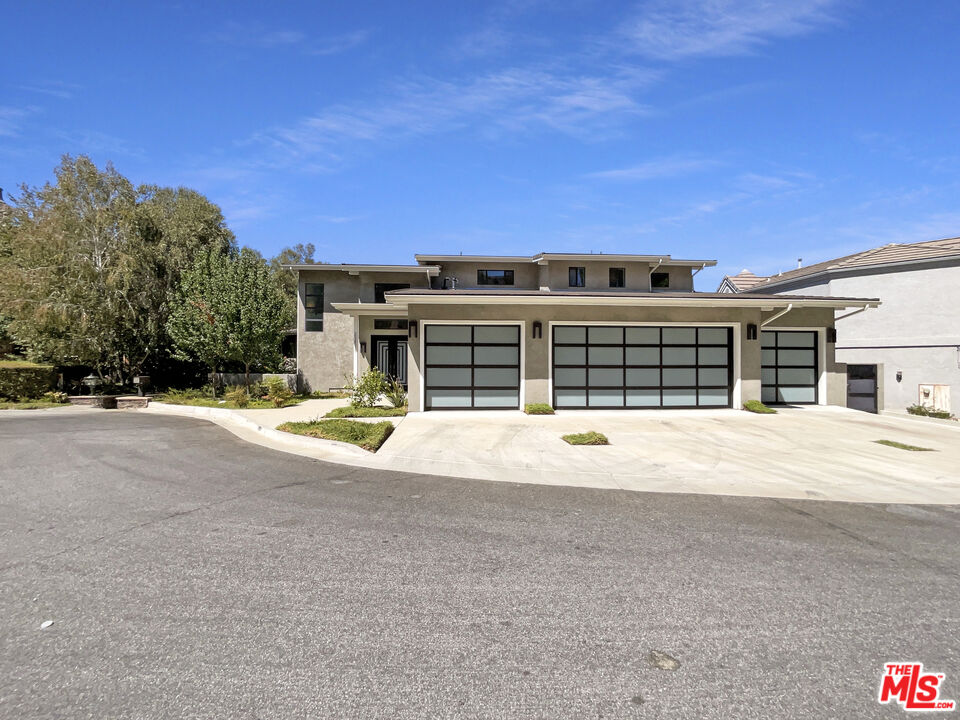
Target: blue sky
(749, 132)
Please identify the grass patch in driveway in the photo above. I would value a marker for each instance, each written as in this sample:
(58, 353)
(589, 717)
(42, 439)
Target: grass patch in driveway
(903, 446)
(755, 406)
(369, 436)
(367, 412)
(588, 438)
(538, 409)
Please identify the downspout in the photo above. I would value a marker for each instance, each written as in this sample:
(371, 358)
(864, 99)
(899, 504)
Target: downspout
(778, 315)
(851, 313)
(650, 274)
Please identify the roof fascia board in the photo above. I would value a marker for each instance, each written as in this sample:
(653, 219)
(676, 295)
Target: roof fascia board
(661, 300)
(432, 270)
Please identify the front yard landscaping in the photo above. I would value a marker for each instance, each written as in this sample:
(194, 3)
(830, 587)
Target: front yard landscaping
(41, 404)
(202, 398)
(369, 436)
(538, 409)
(366, 412)
(755, 406)
(591, 437)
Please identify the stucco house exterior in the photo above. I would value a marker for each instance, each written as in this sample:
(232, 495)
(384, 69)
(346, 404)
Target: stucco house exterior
(576, 331)
(910, 346)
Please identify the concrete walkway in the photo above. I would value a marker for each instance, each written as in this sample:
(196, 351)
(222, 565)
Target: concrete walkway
(821, 453)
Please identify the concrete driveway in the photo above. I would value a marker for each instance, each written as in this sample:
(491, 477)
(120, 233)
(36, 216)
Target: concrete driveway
(821, 453)
(189, 574)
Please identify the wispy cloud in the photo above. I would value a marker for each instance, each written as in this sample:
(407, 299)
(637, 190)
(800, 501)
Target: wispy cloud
(94, 141)
(337, 219)
(515, 99)
(677, 29)
(11, 118)
(339, 43)
(260, 37)
(52, 88)
(673, 166)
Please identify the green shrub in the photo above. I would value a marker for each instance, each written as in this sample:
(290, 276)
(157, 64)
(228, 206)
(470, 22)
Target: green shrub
(395, 393)
(591, 437)
(928, 412)
(369, 436)
(367, 389)
(278, 392)
(24, 379)
(377, 411)
(903, 446)
(238, 395)
(55, 396)
(538, 409)
(755, 406)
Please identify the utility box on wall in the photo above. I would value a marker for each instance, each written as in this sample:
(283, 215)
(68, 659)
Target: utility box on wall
(935, 397)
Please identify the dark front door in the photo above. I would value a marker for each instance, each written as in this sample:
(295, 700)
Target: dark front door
(862, 387)
(390, 356)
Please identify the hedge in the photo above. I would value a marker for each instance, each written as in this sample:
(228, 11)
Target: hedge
(25, 380)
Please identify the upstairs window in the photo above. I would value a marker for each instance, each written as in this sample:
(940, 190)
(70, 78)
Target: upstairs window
(618, 277)
(578, 277)
(313, 306)
(660, 280)
(380, 288)
(494, 277)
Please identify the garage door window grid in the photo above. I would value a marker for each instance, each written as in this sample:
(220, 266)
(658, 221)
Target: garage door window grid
(789, 366)
(634, 366)
(472, 366)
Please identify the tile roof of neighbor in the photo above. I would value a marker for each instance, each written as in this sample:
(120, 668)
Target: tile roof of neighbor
(744, 280)
(884, 255)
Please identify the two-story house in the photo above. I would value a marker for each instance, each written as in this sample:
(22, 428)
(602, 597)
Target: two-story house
(906, 353)
(577, 331)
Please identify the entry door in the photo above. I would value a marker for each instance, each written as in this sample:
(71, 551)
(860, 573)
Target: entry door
(390, 356)
(862, 387)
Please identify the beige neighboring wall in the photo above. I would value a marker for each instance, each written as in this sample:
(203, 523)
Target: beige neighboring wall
(536, 366)
(326, 359)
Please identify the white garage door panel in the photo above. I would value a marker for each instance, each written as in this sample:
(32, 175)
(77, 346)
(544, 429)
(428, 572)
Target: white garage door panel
(471, 366)
(634, 367)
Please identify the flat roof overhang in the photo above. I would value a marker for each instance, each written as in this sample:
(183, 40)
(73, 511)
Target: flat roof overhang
(354, 269)
(404, 298)
(543, 258)
(378, 309)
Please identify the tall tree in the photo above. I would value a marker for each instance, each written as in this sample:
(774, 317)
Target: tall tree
(89, 265)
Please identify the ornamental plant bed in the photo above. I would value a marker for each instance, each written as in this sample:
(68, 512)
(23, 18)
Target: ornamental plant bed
(755, 406)
(366, 412)
(538, 409)
(369, 436)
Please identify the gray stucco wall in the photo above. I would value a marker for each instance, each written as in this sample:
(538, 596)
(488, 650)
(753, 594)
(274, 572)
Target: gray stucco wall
(916, 329)
(536, 368)
(325, 359)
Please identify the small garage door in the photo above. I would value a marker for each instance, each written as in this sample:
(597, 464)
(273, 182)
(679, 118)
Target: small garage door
(472, 366)
(789, 366)
(642, 367)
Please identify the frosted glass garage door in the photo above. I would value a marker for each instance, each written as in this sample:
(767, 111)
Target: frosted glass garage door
(472, 367)
(642, 367)
(789, 366)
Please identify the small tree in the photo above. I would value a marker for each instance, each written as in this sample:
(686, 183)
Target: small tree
(199, 323)
(258, 314)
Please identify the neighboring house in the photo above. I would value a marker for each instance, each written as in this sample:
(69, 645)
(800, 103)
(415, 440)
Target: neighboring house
(911, 345)
(575, 331)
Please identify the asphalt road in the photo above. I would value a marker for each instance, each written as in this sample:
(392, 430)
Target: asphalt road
(189, 574)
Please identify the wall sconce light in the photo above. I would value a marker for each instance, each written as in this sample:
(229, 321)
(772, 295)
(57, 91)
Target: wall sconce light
(537, 329)
(751, 331)
(412, 329)
(363, 347)
(899, 375)
(831, 335)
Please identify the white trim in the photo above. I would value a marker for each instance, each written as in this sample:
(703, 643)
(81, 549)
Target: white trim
(737, 393)
(821, 359)
(663, 299)
(367, 308)
(431, 270)
(422, 332)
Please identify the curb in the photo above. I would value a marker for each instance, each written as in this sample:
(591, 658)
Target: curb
(348, 453)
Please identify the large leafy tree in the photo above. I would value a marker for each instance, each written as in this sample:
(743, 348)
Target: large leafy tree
(88, 266)
(231, 307)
